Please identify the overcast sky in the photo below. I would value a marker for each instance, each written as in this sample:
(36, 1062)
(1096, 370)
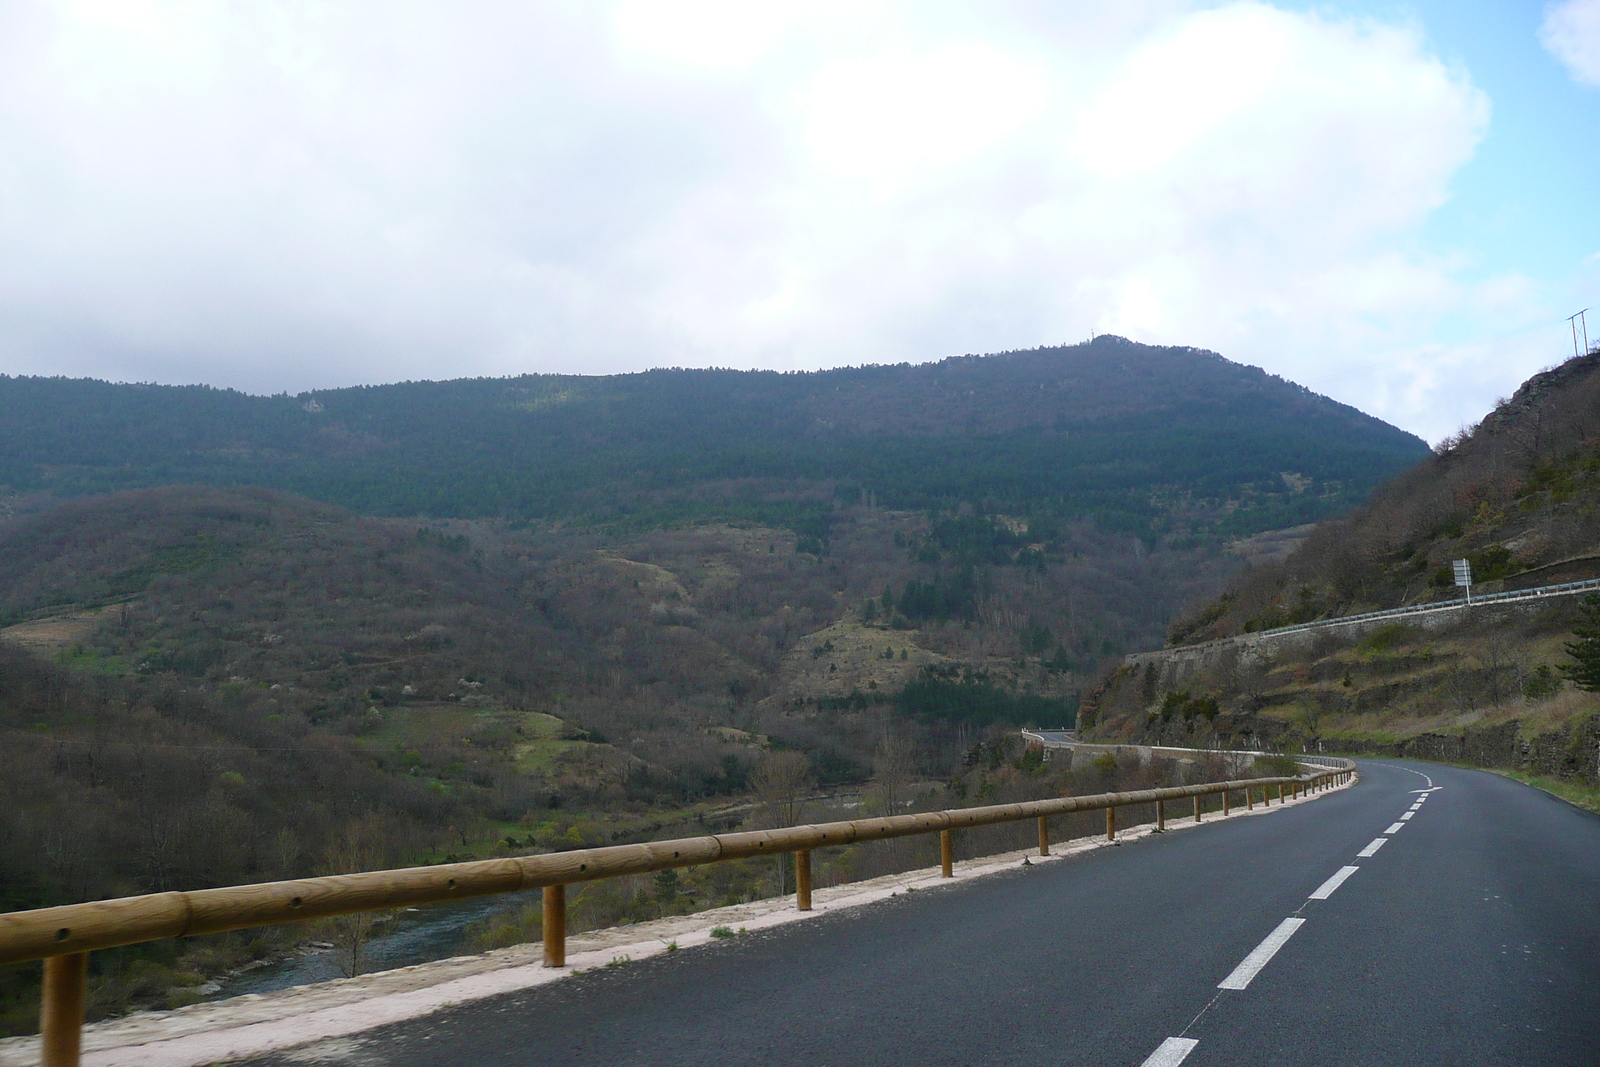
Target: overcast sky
(1394, 204)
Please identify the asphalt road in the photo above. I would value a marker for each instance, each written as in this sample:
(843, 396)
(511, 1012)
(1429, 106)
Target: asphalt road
(1472, 936)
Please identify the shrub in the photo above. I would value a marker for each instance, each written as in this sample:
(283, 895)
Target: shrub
(1180, 703)
(1277, 766)
(1386, 637)
(1542, 684)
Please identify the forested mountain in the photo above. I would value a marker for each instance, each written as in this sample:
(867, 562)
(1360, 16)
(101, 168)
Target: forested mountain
(1155, 441)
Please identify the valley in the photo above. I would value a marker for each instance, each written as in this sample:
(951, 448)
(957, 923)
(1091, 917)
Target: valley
(246, 638)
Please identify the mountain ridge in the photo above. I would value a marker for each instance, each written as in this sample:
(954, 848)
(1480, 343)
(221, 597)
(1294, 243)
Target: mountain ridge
(1102, 428)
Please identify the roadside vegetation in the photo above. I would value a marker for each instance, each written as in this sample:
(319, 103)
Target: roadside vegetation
(1579, 794)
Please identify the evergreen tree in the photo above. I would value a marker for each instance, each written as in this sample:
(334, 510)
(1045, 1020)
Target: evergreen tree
(1585, 651)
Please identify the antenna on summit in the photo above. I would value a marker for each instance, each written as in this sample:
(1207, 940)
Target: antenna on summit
(1574, 320)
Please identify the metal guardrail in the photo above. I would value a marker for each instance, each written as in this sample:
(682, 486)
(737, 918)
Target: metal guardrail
(64, 936)
(1511, 596)
(1043, 740)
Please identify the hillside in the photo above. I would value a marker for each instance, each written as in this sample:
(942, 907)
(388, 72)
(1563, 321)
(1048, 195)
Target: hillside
(1162, 442)
(229, 685)
(1519, 496)
(252, 637)
(1516, 495)
(666, 642)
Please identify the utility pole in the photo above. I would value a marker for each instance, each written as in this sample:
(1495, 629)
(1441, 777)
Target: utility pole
(1575, 320)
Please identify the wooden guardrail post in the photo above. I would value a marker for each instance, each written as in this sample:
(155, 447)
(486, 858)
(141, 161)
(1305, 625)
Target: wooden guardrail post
(61, 1009)
(1197, 808)
(1044, 835)
(802, 880)
(1225, 807)
(947, 854)
(1249, 799)
(1111, 824)
(1161, 816)
(555, 925)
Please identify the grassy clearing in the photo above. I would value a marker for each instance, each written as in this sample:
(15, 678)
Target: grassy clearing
(93, 660)
(546, 739)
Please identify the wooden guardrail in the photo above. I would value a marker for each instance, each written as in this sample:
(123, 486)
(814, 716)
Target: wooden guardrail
(64, 936)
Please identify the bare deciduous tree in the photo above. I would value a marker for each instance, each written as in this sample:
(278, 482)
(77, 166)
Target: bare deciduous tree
(358, 848)
(892, 767)
(781, 781)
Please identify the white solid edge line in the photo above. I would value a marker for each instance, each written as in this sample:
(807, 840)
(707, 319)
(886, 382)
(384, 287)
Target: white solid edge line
(1171, 1052)
(1396, 828)
(1372, 849)
(1251, 965)
(1325, 890)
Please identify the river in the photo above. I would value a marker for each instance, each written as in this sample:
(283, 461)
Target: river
(418, 935)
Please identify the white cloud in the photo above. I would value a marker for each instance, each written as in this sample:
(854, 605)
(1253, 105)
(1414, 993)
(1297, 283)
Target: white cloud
(1571, 33)
(300, 195)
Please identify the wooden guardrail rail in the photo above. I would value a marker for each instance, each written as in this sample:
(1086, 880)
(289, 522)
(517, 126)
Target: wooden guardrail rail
(64, 936)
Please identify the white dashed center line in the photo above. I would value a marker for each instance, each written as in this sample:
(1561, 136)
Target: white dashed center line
(1252, 964)
(1173, 1051)
(1325, 890)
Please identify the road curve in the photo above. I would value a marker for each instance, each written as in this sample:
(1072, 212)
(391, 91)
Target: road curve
(1471, 936)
